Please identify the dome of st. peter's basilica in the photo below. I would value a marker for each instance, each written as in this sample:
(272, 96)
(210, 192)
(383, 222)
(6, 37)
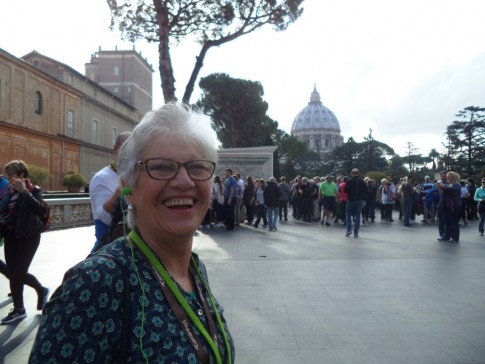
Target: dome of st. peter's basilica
(317, 126)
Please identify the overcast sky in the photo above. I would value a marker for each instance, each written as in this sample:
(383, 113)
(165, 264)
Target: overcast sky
(402, 69)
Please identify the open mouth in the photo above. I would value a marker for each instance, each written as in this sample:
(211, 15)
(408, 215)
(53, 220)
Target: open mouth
(180, 203)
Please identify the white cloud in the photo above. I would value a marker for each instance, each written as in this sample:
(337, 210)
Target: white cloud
(403, 69)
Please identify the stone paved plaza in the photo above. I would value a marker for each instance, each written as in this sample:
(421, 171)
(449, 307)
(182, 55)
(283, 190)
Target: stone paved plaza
(308, 294)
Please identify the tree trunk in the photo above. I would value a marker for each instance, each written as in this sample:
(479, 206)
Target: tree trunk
(189, 89)
(200, 61)
(165, 61)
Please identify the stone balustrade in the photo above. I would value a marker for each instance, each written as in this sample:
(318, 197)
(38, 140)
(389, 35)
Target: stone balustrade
(70, 212)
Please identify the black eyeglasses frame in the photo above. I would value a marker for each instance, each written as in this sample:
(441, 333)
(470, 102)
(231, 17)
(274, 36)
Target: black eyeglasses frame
(146, 162)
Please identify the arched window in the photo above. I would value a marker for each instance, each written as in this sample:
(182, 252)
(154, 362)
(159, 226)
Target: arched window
(38, 103)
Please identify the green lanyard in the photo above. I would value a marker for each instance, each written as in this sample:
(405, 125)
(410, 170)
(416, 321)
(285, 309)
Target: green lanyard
(135, 237)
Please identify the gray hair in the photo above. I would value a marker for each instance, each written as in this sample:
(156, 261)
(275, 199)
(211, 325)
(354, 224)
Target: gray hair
(173, 120)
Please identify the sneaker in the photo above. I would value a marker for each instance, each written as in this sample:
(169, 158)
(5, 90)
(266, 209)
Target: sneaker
(42, 298)
(348, 233)
(454, 241)
(327, 224)
(15, 314)
(356, 235)
(274, 229)
(440, 238)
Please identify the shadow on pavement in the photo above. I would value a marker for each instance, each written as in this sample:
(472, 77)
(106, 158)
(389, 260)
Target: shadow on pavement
(11, 340)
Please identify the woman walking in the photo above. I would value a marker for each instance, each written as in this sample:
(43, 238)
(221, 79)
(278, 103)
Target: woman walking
(22, 229)
(248, 198)
(480, 200)
(261, 208)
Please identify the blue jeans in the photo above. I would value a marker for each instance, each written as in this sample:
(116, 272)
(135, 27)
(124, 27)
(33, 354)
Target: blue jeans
(100, 230)
(407, 209)
(273, 213)
(354, 208)
(481, 222)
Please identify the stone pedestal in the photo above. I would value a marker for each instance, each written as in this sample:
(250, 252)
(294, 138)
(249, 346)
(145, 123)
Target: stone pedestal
(256, 162)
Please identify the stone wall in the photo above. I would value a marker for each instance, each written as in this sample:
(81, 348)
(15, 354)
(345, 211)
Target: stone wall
(256, 162)
(68, 213)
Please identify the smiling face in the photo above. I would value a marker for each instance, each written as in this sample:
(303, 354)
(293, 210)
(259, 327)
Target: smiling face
(172, 207)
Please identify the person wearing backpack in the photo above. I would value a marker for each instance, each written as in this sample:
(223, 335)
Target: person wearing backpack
(22, 225)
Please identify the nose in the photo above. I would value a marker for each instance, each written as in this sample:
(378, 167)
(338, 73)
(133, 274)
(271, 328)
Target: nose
(182, 177)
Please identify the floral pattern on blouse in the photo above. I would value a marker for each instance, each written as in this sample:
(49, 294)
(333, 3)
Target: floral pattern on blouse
(83, 321)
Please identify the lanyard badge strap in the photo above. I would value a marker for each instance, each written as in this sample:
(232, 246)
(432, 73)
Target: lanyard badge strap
(160, 270)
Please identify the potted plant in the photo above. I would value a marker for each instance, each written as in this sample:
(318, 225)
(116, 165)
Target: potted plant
(73, 182)
(38, 175)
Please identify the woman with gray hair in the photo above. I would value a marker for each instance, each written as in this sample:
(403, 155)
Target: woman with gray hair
(146, 297)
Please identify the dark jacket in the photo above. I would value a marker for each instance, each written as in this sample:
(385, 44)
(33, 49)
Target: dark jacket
(356, 189)
(450, 199)
(284, 191)
(24, 215)
(271, 195)
(248, 194)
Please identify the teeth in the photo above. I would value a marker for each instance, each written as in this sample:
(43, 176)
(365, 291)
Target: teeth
(180, 202)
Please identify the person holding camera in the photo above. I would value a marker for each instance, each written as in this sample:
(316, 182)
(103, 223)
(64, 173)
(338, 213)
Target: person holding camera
(22, 226)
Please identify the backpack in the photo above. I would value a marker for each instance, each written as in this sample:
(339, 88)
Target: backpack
(4, 196)
(391, 195)
(46, 217)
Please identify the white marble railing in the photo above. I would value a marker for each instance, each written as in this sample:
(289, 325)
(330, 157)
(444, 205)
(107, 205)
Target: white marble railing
(70, 212)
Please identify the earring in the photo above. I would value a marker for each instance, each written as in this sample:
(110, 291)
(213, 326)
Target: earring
(131, 206)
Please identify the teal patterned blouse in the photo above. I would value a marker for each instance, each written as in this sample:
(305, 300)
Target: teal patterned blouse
(83, 321)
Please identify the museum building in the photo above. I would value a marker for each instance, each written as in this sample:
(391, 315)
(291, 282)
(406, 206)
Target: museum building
(54, 117)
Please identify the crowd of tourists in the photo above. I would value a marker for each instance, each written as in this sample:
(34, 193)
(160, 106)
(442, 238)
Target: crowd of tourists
(350, 201)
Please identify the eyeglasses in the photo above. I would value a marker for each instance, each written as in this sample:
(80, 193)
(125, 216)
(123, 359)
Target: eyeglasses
(163, 169)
